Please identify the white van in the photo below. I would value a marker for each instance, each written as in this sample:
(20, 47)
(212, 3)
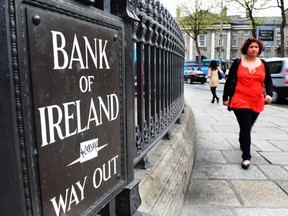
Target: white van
(279, 73)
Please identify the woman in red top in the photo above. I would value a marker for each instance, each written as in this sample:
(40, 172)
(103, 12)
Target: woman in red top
(248, 79)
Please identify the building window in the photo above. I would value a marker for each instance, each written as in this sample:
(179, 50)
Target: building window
(234, 55)
(278, 42)
(234, 34)
(202, 40)
(246, 32)
(234, 43)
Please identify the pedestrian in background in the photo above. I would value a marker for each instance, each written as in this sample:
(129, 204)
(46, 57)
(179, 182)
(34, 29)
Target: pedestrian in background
(226, 72)
(244, 92)
(214, 79)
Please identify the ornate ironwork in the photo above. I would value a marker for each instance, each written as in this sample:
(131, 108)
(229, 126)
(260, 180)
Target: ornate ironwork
(158, 69)
(146, 47)
(152, 127)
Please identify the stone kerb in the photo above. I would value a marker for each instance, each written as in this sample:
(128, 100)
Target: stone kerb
(164, 183)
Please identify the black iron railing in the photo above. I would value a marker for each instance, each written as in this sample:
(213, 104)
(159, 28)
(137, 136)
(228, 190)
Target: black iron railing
(53, 144)
(158, 67)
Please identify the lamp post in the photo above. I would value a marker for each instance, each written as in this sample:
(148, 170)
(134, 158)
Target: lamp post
(221, 34)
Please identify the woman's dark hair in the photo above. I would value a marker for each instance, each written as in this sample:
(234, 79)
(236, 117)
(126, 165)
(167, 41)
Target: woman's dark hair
(247, 43)
(213, 65)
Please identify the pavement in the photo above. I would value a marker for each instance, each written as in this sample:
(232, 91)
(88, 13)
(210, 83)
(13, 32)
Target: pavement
(214, 182)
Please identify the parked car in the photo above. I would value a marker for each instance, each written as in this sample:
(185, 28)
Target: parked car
(279, 73)
(189, 64)
(191, 76)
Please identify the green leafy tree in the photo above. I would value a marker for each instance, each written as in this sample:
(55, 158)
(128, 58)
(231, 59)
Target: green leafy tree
(249, 7)
(280, 4)
(194, 21)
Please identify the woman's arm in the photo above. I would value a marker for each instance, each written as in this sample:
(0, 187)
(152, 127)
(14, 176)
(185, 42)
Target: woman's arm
(219, 69)
(209, 73)
(268, 80)
(268, 84)
(231, 81)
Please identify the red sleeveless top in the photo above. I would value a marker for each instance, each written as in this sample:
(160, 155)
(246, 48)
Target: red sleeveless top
(249, 91)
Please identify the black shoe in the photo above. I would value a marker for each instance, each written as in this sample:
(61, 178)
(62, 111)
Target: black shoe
(212, 101)
(245, 164)
(217, 100)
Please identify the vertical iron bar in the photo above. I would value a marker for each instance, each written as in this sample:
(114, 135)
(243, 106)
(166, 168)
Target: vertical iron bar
(153, 88)
(162, 84)
(140, 91)
(147, 90)
(158, 87)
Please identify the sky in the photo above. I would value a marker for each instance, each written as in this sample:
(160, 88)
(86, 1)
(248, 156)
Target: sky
(171, 6)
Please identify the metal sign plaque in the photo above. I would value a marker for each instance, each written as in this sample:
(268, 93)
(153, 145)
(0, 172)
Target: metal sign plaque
(266, 34)
(76, 76)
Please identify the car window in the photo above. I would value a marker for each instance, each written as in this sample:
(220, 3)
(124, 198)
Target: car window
(275, 67)
(191, 64)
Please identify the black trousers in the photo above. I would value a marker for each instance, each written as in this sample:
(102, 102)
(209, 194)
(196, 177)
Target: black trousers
(246, 118)
(213, 90)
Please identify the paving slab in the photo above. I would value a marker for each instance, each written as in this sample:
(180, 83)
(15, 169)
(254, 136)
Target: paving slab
(281, 122)
(205, 129)
(234, 142)
(211, 192)
(283, 185)
(267, 130)
(274, 172)
(276, 157)
(192, 210)
(229, 122)
(235, 157)
(225, 129)
(264, 145)
(269, 136)
(208, 156)
(265, 121)
(280, 144)
(211, 141)
(260, 193)
(206, 119)
(230, 171)
(285, 128)
(261, 212)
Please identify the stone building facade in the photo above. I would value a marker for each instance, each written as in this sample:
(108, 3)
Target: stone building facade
(233, 35)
